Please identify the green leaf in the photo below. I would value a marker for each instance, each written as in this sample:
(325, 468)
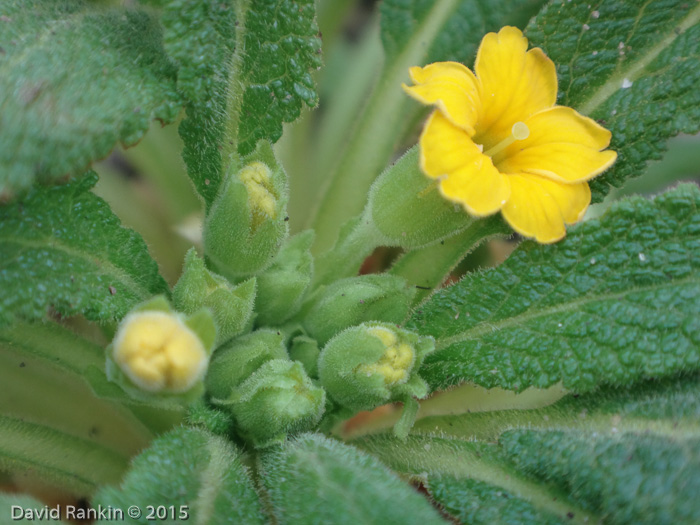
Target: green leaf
(57, 458)
(193, 470)
(414, 33)
(245, 70)
(47, 371)
(630, 65)
(613, 456)
(62, 248)
(76, 80)
(668, 407)
(476, 502)
(626, 478)
(313, 479)
(282, 47)
(615, 302)
(200, 38)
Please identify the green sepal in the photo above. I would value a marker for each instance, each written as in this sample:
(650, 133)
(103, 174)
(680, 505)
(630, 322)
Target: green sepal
(361, 371)
(277, 400)
(159, 303)
(231, 306)
(202, 324)
(164, 400)
(354, 300)
(201, 415)
(234, 362)
(306, 351)
(240, 238)
(281, 287)
(406, 207)
(408, 417)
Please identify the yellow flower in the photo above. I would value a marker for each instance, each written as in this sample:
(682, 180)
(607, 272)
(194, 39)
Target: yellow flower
(159, 353)
(498, 142)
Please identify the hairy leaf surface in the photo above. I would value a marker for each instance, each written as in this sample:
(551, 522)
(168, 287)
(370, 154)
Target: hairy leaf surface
(616, 455)
(631, 65)
(317, 480)
(62, 248)
(188, 467)
(615, 302)
(245, 69)
(76, 80)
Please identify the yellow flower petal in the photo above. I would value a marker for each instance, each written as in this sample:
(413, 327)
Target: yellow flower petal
(514, 83)
(451, 87)
(468, 177)
(539, 207)
(560, 161)
(563, 124)
(563, 146)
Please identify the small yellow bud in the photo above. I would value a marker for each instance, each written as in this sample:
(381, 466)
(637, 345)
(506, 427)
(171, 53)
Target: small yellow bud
(262, 202)
(395, 365)
(159, 353)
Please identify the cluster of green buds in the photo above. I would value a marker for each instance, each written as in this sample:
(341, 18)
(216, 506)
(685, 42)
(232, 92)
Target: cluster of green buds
(268, 394)
(291, 354)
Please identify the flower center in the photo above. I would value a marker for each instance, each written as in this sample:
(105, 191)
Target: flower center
(519, 131)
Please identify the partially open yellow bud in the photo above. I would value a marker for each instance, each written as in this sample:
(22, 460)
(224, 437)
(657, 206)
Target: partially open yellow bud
(159, 353)
(395, 365)
(261, 200)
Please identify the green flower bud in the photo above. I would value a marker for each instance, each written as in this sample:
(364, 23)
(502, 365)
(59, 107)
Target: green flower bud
(372, 364)
(234, 362)
(407, 209)
(306, 351)
(349, 302)
(277, 400)
(281, 287)
(159, 352)
(246, 224)
(232, 306)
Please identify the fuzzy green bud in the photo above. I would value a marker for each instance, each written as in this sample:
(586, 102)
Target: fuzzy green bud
(234, 362)
(354, 300)
(281, 287)
(306, 351)
(246, 224)
(372, 364)
(231, 306)
(407, 209)
(157, 351)
(277, 400)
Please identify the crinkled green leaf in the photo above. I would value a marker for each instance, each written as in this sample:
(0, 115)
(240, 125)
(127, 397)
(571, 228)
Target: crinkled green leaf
(188, 467)
(282, 47)
(62, 248)
(75, 80)
(475, 502)
(633, 66)
(625, 479)
(313, 479)
(616, 301)
(616, 456)
(457, 26)
(201, 38)
(245, 68)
